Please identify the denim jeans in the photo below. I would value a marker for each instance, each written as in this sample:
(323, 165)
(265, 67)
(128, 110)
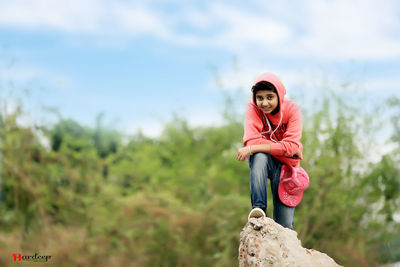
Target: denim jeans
(262, 167)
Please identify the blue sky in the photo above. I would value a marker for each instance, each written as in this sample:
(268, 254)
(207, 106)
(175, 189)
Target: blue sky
(140, 61)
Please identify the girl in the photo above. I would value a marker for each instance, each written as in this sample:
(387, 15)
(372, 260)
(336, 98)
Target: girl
(272, 132)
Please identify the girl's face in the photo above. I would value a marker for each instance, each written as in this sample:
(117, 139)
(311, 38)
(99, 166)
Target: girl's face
(266, 100)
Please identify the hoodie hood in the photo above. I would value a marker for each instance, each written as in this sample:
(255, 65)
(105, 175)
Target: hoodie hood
(281, 91)
(275, 81)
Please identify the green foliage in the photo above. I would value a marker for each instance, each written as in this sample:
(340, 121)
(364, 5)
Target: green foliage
(68, 135)
(182, 199)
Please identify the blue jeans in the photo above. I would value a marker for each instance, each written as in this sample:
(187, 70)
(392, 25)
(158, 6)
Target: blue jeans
(262, 167)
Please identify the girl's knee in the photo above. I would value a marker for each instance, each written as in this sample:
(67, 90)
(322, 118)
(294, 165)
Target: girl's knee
(260, 158)
(259, 163)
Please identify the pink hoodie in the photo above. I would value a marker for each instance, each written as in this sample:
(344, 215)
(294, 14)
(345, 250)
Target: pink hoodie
(285, 128)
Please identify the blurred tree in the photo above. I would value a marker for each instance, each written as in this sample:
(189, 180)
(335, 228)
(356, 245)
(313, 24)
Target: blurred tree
(182, 199)
(106, 141)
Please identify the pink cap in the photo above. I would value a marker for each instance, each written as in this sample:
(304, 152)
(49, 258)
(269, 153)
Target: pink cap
(293, 181)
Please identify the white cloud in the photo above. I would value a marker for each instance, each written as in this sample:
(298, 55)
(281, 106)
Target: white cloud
(89, 16)
(22, 75)
(332, 30)
(33, 76)
(391, 84)
(328, 30)
(243, 28)
(137, 19)
(75, 15)
(351, 30)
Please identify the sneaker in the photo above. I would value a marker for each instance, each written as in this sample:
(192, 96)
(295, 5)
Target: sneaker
(256, 213)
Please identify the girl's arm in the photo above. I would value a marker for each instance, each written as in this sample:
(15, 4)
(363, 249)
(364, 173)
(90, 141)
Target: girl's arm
(247, 151)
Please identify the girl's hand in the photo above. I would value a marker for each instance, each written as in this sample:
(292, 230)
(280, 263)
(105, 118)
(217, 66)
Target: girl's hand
(243, 153)
(297, 155)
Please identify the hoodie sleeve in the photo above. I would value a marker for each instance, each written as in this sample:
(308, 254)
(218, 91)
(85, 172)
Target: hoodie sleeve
(290, 142)
(253, 126)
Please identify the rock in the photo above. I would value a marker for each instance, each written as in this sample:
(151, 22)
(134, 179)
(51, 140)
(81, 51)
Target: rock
(266, 243)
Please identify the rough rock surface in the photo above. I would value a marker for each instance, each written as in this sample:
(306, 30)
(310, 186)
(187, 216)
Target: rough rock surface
(266, 243)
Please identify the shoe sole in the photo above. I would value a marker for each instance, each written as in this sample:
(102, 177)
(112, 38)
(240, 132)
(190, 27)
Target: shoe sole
(256, 213)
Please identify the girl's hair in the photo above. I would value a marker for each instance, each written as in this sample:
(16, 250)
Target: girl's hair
(263, 85)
